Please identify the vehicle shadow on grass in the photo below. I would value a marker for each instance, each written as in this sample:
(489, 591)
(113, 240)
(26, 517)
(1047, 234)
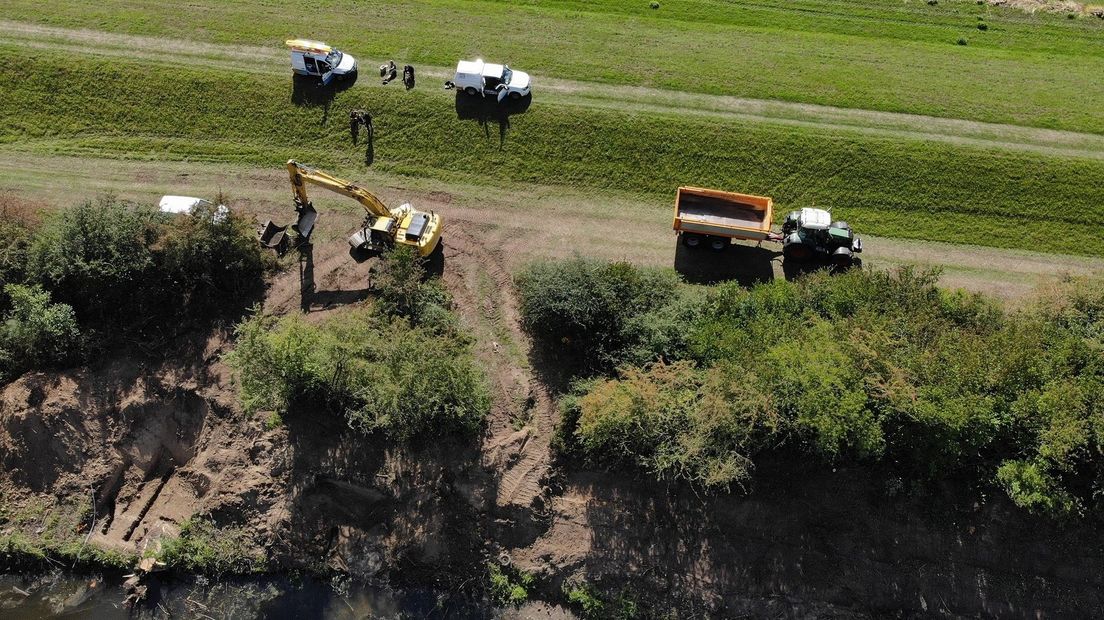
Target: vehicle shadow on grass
(309, 92)
(487, 110)
(746, 264)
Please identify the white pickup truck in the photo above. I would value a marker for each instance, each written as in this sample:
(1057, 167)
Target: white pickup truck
(477, 77)
(319, 60)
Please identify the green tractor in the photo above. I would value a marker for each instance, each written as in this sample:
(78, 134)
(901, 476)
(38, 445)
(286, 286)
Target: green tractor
(810, 235)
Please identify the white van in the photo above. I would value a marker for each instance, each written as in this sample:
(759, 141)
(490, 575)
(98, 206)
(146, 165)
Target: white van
(320, 60)
(477, 77)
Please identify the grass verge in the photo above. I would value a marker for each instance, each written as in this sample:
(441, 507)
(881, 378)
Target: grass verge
(884, 186)
(1039, 70)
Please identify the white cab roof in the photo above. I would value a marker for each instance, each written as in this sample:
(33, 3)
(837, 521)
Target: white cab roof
(185, 204)
(470, 66)
(815, 219)
(179, 204)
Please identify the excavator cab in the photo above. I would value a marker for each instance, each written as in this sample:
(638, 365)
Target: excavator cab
(375, 236)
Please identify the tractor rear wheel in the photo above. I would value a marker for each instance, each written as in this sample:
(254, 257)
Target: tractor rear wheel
(797, 251)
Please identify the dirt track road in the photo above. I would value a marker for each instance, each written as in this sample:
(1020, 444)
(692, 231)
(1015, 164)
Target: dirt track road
(526, 223)
(273, 61)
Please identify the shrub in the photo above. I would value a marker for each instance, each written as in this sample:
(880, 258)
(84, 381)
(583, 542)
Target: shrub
(36, 333)
(506, 589)
(586, 599)
(581, 311)
(1031, 486)
(380, 372)
(675, 422)
(206, 263)
(962, 41)
(874, 367)
(96, 258)
(814, 384)
(982, 26)
(204, 547)
(404, 290)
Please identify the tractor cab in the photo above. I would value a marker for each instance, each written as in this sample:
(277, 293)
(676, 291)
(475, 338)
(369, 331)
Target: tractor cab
(811, 234)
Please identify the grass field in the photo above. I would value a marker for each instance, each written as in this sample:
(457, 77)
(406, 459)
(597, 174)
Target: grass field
(903, 188)
(1039, 70)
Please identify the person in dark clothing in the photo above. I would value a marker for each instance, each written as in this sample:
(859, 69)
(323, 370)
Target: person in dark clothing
(389, 71)
(355, 121)
(408, 76)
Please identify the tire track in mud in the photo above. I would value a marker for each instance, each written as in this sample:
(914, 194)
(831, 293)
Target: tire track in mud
(517, 442)
(272, 61)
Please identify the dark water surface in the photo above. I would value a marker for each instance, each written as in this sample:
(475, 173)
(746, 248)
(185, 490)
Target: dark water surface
(93, 596)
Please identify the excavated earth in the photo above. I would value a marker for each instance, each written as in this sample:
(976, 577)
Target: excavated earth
(154, 439)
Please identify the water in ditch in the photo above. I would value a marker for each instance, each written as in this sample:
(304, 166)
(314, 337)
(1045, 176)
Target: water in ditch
(93, 596)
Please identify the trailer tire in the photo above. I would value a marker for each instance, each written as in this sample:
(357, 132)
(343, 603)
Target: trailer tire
(718, 244)
(691, 240)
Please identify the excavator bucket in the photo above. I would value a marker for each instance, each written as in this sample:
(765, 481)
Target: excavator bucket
(305, 225)
(274, 237)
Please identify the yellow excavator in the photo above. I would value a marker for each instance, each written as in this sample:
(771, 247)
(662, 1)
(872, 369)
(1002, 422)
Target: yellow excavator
(382, 228)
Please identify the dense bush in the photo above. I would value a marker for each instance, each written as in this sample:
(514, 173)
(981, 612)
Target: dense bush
(14, 239)
(867, 367)
(107, 268)
(124, 267)
(96, 257)
(36, 333)
(674, 421)
(593, 316)
(404, 289)
(380, 372)
(208, 262)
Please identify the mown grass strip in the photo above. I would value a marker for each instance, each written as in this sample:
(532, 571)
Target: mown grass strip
(1041, 70)
(885, 187)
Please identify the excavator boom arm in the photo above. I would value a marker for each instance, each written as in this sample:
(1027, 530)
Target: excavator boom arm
(300, 174)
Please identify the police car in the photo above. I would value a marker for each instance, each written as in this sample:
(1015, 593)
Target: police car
(320, 60)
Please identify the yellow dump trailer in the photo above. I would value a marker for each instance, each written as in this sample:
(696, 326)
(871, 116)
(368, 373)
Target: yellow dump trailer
(714, 218)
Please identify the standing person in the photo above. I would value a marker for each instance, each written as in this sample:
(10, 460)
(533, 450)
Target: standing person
(408, 76)
(356, 118)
